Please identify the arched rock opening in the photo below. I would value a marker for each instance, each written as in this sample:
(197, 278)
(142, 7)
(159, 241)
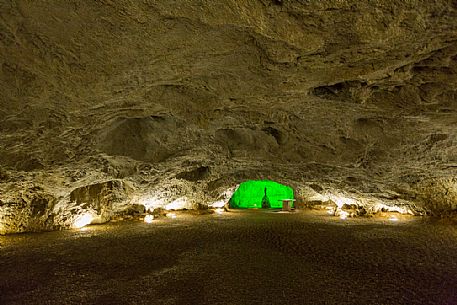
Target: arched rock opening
(256, 194)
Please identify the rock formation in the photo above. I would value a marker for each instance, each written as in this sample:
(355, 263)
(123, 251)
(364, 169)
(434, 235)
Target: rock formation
(176, 102)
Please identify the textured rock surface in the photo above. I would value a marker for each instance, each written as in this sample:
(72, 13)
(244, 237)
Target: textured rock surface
(185, 99)
(30, 210)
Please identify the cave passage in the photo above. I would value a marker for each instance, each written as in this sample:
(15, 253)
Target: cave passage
(256, 194)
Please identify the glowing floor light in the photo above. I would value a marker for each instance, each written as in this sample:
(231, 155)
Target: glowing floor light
(393, 218)
(343, 215)
(178, 204)
(148, 218)
(83, 220)
(171, 215)
(218, 204)
(220, 211)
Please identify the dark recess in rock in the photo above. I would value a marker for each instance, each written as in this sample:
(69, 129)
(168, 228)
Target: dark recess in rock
(276, 133)
(438, 137)
(316, 187)
(196, 174)
(39, 206)
(344, 91)
(351, 179)
(134, 209)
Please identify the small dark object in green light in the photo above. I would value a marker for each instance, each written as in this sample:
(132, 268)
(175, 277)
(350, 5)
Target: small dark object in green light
(256, 194)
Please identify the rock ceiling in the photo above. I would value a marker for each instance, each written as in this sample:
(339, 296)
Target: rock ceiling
(186, 99)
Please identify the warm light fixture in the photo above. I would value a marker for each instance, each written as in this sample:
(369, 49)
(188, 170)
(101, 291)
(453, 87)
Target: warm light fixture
(218, 204)
(171, 215)
(82, 220)
(341, 200)
(394, 208)
(343, 215)
(152, 202)
(178, 204)
(219, 211)
(148, 218)
(393, 218)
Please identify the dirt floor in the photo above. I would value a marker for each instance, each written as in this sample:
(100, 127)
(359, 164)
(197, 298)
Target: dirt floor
(243, 257)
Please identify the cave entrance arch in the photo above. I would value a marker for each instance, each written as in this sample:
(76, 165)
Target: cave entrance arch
(258, 194)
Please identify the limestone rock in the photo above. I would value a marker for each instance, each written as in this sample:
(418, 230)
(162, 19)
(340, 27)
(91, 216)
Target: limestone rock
(100, 201)
(32, 211)
(187, 100)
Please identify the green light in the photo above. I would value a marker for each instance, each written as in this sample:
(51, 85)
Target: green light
(257, 194)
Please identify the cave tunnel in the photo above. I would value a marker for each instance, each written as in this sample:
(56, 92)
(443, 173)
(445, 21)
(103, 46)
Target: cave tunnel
(138, 141)
(257, 194)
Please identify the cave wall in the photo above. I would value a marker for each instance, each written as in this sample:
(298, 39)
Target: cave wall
(354, 96)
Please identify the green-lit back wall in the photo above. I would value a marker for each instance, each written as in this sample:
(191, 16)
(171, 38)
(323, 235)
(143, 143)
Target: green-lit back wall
(251, 195)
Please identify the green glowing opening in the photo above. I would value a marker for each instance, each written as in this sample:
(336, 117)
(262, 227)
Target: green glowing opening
(257, 194)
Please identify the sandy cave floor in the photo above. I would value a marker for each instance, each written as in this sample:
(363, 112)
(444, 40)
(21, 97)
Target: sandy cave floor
(242, 257)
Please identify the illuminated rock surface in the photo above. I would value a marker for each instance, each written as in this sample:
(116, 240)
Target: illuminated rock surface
(182, 100)
(248, 257)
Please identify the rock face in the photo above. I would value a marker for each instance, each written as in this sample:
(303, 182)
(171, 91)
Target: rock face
(31, 210)
(186, 99)
(99, 202)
